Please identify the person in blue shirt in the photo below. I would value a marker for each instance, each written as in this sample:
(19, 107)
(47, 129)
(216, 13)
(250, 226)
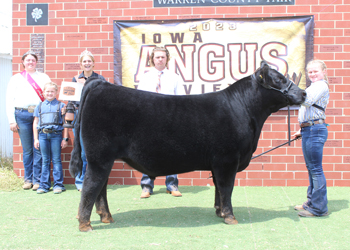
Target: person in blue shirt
(48, 128)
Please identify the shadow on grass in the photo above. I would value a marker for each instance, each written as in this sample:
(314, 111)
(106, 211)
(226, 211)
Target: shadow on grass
(188, 217)
(201, 216)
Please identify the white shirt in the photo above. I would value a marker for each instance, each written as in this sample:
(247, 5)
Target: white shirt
(20, 94)
(171, 83)
(317, 93)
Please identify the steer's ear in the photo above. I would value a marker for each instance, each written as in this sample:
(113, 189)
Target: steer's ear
(264, 73)
(263, 64)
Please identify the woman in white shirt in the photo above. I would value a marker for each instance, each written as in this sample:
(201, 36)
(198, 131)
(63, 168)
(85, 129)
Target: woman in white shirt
(24, 92)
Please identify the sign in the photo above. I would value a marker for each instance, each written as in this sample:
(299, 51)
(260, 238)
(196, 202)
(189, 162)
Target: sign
(71, 91)
(211, 54)
(37, 14)
(197, 3)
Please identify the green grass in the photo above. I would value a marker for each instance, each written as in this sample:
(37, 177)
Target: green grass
(266, 219)
(9, 181)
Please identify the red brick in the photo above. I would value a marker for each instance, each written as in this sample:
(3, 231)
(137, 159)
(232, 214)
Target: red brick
(195, 174)
(249, 182)
(282, 175)
(56, 6)
(65, 13)
(56, 21)
(74, 21)
(185, 182)
(342, 183)
(74, 6)
(134, 12)
(331, 16)
(89, 13)
(275, 9)
(118, 5)
(118, 181)
(324, 25)
(66, 29)
(298, 183)
(114, 13)
(203, 182)
(141, 4)
(96, 6)
(342, 24)
(90, 28)
(28, 29)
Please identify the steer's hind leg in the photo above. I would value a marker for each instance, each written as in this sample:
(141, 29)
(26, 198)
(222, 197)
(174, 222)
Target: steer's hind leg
(217, 204)
(224, 185)
(102, 205)
(95, 179)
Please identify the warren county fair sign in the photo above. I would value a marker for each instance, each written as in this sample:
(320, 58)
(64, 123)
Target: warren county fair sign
(195, 3)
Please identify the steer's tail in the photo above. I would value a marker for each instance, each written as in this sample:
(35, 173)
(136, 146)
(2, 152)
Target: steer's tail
(76, 163)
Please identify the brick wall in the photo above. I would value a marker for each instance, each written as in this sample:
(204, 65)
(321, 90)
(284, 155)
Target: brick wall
(75, 25)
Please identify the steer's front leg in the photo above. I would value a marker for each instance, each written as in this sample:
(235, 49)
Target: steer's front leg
(224, 182)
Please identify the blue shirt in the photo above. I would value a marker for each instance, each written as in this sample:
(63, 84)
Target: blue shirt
(46, 107)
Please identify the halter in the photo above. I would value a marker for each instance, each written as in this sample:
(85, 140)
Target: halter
(284, 92)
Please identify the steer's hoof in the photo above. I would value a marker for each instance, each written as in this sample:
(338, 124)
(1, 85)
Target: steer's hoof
(219, 213)
(231, 220)
(108, 219)
(85, 227)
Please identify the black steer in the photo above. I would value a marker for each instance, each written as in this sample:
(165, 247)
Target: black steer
(161, 134)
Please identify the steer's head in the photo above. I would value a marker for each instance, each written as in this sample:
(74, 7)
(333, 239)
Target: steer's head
(272, 80)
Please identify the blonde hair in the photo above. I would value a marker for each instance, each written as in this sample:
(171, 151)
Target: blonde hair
(50, 84)
(322, 65)
(159, 49)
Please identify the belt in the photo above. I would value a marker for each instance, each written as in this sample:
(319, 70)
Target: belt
(30, 109)
(310, 123)
(48, 131)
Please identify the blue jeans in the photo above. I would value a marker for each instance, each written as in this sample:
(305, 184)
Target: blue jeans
(31, 156)
(79, 179)
(50, 147)
(171, 183)
(313, 140)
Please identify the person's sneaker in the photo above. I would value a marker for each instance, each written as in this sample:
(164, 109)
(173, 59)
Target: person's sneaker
(27, 185)
(35, 187)
(306, 213)
(58, 190)
(41, 191)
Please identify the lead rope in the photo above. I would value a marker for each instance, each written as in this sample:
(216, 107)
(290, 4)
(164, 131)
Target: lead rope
(288, 142)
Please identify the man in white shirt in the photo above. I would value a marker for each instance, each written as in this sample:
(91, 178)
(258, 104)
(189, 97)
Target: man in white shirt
(160, 80)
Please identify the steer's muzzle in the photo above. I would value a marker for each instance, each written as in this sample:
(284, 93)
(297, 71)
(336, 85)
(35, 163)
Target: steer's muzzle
(296, 95)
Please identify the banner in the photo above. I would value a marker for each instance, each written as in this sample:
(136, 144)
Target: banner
(211, 54)
(197, 3)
